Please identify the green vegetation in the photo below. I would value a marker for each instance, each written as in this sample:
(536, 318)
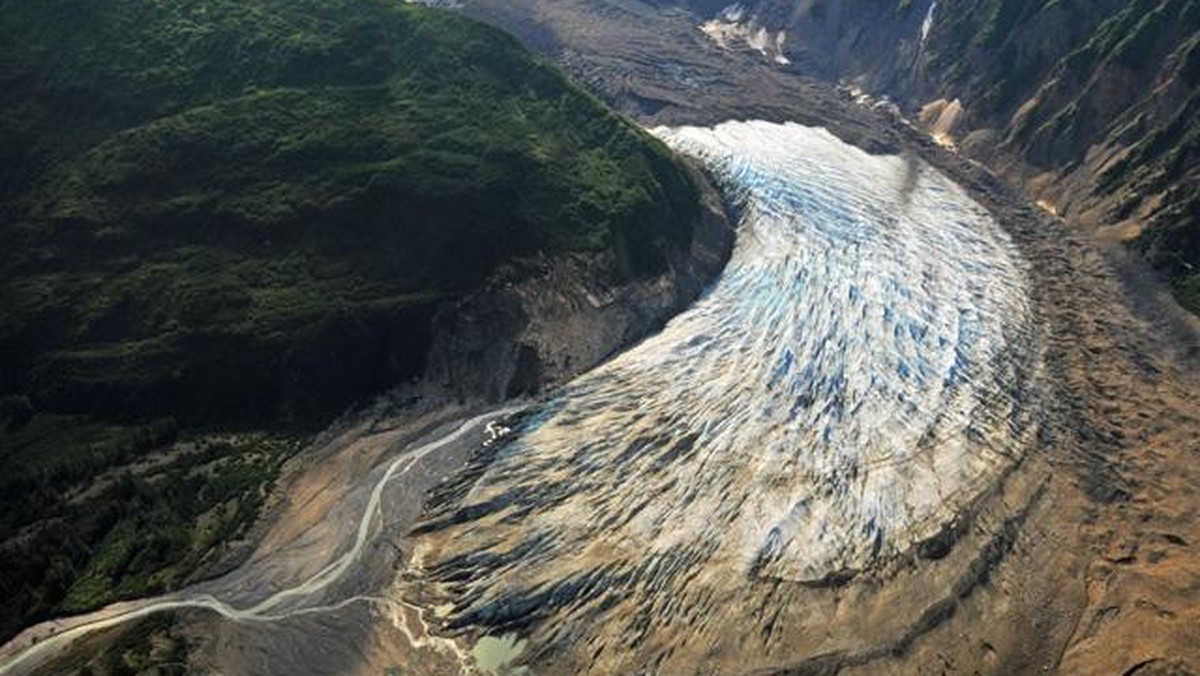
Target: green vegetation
(1164, 154)
(242, 214)
(153, 646)
(1003, 18)
(1190, 58)
(150, 646)
(1128, 36)
(1187, 290)
(246, 209)
(94, 513)
(1173, 244)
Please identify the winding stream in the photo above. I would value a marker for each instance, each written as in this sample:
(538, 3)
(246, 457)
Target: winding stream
(267, 610)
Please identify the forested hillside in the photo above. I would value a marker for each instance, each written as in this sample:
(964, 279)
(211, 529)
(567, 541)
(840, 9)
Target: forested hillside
(228, 208)
(241, 215)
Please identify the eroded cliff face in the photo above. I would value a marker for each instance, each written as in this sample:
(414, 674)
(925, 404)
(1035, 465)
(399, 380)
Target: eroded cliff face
(534, 328)
(1090, 105)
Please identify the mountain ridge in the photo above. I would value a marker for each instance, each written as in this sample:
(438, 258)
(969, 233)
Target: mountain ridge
(1090, 106)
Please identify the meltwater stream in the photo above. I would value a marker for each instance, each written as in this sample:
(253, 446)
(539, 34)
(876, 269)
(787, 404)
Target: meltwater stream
(852, 383)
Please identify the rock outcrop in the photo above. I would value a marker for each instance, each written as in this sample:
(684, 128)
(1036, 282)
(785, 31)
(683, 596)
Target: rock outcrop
(566, 314)
(1092, 107)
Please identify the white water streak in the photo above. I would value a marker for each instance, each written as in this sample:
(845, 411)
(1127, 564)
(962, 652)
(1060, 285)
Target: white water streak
(48, 646)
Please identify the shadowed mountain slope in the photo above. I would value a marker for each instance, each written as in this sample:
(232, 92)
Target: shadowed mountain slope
(235, 209)
(246, 214)
(1091, 105)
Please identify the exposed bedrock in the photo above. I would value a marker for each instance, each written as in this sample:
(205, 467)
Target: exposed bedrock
(568, 313)
(1091, 107)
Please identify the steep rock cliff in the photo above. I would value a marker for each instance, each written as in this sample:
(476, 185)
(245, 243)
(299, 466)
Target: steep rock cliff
(1090, 105)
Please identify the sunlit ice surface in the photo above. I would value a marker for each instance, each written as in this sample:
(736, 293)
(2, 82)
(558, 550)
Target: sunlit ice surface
(846, 390)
